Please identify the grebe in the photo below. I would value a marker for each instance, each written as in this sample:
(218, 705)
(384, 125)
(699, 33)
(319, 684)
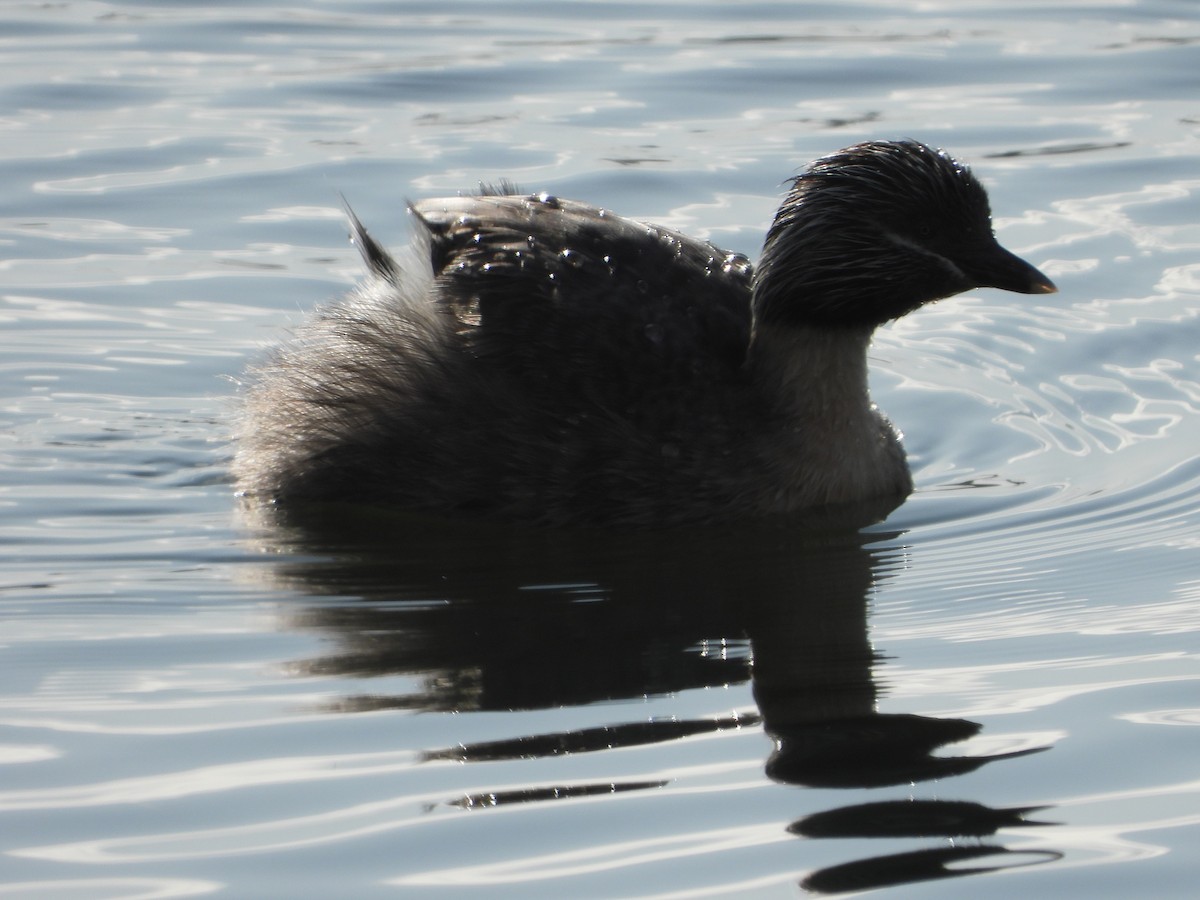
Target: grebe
(546, 361)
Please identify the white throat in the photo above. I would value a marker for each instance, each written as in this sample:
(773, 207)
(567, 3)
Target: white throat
(831, 444)
(816, 373)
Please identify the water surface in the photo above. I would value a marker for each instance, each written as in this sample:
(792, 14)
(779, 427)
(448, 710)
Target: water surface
(992, 692)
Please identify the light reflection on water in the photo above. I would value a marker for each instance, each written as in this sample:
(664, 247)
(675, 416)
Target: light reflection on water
(696, 714)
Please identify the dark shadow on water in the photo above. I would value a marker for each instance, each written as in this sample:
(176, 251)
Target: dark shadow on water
(920, 865)
(484, 617)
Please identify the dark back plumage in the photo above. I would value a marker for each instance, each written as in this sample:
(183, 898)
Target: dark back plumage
(631, 310)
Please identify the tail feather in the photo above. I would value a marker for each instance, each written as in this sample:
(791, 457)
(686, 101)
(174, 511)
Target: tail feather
(378, 260)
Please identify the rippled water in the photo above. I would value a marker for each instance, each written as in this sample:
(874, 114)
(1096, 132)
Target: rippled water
(993, 692)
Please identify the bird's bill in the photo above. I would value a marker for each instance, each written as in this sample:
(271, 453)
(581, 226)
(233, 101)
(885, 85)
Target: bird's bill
(998, 268)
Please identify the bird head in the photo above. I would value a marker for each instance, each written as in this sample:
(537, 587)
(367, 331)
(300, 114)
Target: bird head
(875, 231)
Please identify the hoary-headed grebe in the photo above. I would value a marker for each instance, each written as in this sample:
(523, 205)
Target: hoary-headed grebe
(546, 361)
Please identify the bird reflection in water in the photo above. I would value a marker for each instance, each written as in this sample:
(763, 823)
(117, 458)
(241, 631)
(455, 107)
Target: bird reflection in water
(490, 618)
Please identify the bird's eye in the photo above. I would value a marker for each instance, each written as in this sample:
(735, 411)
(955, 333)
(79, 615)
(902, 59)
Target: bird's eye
(924, 230)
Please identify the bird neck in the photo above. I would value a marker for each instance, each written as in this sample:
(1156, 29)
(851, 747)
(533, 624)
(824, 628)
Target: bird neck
(813, 374)
(829, 444)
